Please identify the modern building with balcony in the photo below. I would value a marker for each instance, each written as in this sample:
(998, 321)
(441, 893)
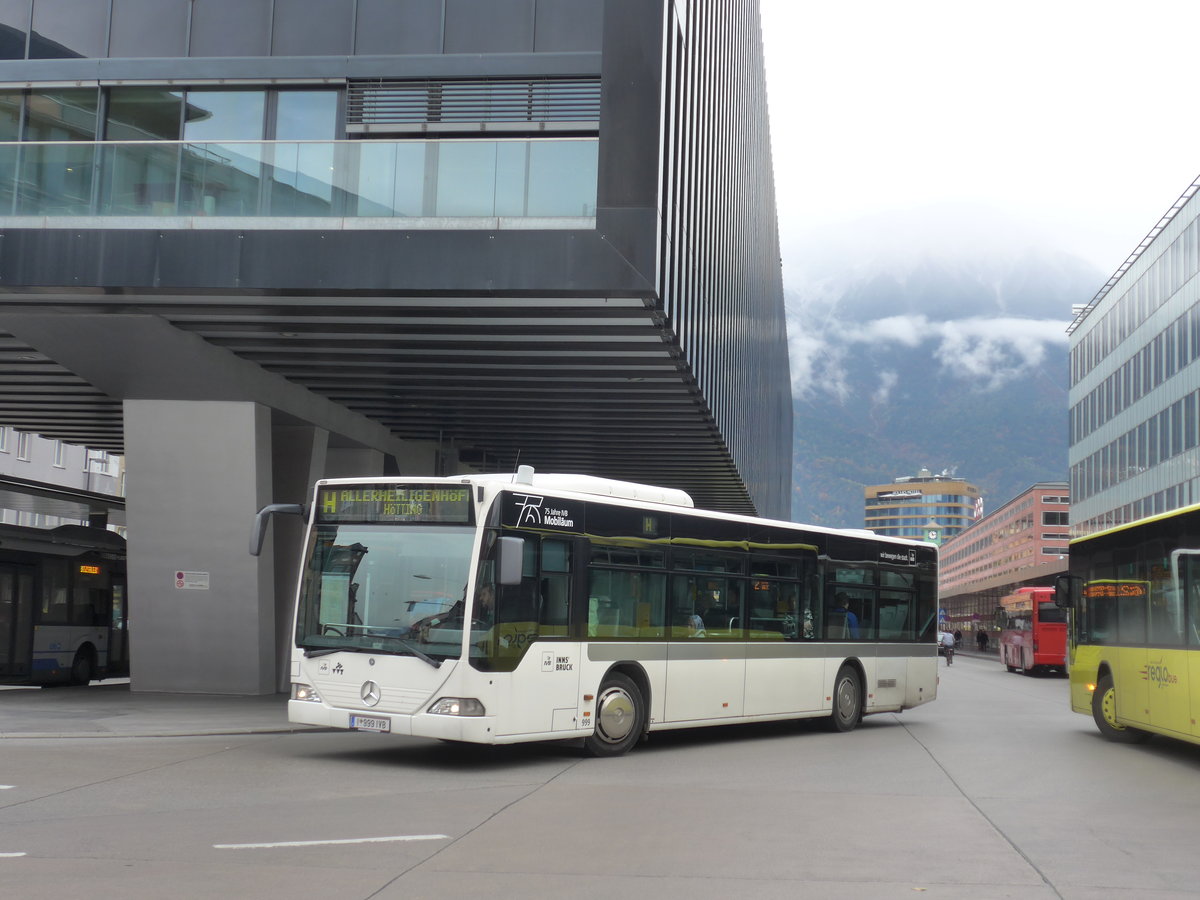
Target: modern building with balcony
(1135, 381)
(252, 243)
(913, 505)
(1021, 544)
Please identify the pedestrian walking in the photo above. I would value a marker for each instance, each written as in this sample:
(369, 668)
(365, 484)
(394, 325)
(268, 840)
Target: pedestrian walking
(948, 647)
(981, 640)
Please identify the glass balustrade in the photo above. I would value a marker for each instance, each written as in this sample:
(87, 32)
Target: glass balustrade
(301, 179)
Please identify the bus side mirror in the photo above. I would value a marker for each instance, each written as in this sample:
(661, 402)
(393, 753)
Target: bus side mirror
(1066, 591)
(510, 557)
(264, 515)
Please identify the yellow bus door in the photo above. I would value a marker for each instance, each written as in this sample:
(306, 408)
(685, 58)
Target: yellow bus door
(1133, 696)
(1166, 680)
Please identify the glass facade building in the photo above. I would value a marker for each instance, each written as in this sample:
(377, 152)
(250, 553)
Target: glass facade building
(594, 175)
(253, 243)
(913, 505)
(1135, 381)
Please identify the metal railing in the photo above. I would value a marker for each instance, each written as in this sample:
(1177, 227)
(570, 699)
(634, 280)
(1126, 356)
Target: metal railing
(550, 178)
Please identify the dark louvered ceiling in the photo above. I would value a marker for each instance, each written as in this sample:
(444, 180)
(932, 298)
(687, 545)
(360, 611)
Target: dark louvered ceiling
(574, 385)
(39, 395)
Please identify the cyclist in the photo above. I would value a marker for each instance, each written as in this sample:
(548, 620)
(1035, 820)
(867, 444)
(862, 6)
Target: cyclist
(948, 647)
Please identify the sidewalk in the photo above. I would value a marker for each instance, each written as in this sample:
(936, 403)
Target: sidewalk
(112, 710)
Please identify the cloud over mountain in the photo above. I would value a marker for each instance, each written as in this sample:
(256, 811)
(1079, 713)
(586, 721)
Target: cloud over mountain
(926, 357)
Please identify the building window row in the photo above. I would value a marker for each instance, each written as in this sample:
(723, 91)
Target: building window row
(154, 151)
(955, 510)
(1168, 353)
(884, 499)
(921, 521)
(1161, 437)
(1162, 278)
(1174, 497)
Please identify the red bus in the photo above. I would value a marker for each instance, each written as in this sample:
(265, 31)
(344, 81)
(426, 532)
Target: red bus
(1033, 631)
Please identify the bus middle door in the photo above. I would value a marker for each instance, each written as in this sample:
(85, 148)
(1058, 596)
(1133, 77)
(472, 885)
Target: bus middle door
(533, 622)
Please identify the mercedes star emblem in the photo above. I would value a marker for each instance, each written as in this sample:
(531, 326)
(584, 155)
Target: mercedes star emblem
(370, 693)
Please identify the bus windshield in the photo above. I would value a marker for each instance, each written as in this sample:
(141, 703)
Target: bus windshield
(379, 589)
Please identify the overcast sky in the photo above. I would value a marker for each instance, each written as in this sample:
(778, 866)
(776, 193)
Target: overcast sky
(1081, 116)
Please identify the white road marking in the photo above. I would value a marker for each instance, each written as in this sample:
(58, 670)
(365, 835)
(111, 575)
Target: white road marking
(7, 787)
(10, 855)
(370, 840)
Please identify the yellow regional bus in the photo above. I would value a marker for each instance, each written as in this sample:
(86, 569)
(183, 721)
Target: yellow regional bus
(1134, 648)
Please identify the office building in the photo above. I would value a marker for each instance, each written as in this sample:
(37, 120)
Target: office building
(1021, 544)
(251, 243)
(1135, 381)
(914, 505)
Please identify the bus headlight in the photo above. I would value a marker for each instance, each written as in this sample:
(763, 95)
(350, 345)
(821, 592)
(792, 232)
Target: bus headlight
(305, 692)
(456, 706)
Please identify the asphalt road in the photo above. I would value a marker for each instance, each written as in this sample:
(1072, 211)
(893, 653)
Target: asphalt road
(994, 790)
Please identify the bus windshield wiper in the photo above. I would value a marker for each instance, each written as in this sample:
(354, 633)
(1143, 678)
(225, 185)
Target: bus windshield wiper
(310, 653)
(419, 654)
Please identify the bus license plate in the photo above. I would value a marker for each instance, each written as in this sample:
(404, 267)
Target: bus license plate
(370, 723)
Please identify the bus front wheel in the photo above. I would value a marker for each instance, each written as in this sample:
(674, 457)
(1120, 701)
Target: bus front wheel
(620, 717)
(847, 701)
(1104, 711)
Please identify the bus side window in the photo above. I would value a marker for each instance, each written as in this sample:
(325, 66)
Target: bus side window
(895, 616)
(1166, 605)
(1189, 590)
(55, 599)
(555, 587)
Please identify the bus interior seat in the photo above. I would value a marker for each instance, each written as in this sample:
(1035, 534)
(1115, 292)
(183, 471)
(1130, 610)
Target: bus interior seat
(835, 625)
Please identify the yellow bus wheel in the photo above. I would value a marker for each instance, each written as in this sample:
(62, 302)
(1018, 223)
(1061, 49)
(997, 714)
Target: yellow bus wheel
(1104, 711)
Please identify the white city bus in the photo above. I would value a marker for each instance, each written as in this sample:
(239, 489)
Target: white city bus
(497, 609)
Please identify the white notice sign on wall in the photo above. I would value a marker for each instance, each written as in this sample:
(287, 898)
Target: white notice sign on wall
(191, 581)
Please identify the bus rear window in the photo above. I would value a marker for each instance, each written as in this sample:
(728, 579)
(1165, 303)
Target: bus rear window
(1048, 612)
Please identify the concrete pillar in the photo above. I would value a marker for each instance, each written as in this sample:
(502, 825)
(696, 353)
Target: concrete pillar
(346, 462)
(197, 472)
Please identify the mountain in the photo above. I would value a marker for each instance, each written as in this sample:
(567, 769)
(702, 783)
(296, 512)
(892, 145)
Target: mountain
(952, 357)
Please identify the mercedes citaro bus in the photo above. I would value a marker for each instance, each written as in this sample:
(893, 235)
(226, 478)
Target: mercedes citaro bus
(495, 609)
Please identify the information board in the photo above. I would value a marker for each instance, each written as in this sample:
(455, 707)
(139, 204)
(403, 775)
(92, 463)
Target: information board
(393, 503)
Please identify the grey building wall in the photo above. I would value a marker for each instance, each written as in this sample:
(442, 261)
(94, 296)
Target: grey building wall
(65, 29)
(685, 201)
(180, 321)
(1135, 383)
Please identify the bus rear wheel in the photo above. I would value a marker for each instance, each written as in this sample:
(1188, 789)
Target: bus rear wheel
(847, 701)
(83, 667)
(620, 717)
(1104, 711)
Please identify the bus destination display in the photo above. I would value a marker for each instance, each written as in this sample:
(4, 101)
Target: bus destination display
(395, 503)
